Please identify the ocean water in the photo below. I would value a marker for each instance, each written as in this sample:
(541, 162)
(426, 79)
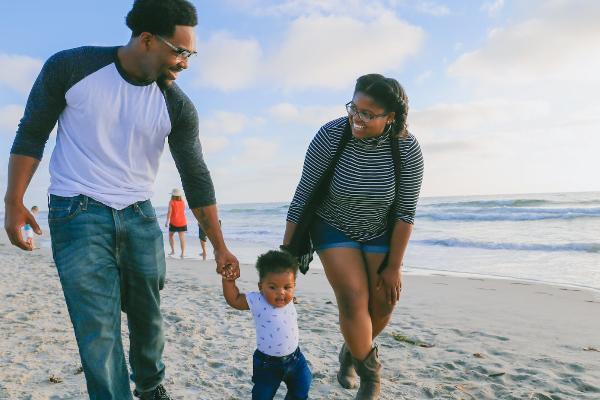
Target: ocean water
(551, 238)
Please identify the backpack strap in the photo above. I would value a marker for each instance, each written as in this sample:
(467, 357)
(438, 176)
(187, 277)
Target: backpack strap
(300, 244)
(391, 220)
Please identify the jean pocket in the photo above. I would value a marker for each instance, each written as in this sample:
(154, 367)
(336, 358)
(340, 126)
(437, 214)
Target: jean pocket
(146, 211)
(63, 208)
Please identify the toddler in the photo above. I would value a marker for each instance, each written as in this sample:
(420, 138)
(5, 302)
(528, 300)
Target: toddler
(277, 357)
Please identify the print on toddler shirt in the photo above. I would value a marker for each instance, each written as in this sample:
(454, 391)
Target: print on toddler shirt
(276, 327)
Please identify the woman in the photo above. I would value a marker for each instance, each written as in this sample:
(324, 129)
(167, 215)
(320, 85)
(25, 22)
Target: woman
(176, 221)
(359, 189)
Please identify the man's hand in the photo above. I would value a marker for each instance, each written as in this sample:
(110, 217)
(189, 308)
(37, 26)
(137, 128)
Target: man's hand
(224, 258)
(16, 215)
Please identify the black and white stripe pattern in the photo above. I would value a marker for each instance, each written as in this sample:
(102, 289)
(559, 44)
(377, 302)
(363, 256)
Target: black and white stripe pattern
(363, 184)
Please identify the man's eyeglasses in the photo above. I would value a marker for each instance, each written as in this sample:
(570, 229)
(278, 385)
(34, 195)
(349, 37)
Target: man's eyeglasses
(181, 53)
(365, 116)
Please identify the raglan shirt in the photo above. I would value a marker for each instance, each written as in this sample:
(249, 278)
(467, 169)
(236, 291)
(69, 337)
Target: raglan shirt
(111, 130)
(363, 187)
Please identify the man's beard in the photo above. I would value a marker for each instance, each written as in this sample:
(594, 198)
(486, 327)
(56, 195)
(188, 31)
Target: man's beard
(163, 81)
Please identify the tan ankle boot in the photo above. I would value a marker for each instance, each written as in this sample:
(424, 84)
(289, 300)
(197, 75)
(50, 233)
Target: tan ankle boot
(346, 376)
(369, 371)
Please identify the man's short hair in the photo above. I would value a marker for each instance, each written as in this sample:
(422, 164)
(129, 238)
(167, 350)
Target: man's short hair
(276, 261)
(160, 17)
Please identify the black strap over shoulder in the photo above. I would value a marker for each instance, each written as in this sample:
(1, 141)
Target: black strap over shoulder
(392, 213)
(300, 244)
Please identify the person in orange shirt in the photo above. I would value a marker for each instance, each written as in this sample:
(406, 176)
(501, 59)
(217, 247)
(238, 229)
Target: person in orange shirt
(176, 221)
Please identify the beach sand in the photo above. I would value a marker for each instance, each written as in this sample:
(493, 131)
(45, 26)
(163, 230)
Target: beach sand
(472, 338)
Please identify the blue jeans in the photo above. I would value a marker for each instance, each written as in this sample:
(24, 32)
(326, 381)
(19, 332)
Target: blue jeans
(268, 372)
(110, 261)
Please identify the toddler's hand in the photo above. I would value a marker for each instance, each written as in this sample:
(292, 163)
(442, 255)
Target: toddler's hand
(230, 272)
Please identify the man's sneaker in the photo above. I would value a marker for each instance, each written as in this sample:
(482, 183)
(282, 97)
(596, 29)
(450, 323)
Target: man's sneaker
(160, 393)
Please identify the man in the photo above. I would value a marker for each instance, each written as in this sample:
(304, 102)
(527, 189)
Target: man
(115, 107)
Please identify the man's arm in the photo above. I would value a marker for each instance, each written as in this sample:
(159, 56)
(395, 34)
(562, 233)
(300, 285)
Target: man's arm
(44, 105)
(20, 172)
(208, 218)
(233, 296)
(186, 149)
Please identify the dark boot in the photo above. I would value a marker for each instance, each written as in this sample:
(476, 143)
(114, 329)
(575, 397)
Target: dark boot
(346, 376)
(369, 372)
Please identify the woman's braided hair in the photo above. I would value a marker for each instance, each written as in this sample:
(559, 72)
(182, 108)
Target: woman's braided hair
(390, 95)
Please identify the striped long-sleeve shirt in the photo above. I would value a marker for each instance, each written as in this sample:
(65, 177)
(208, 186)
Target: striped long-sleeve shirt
(363, 186)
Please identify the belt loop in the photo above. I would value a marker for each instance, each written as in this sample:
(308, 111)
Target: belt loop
(84, 202)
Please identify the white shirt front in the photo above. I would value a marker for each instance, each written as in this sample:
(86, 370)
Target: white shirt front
(110, 138)
(276, 327)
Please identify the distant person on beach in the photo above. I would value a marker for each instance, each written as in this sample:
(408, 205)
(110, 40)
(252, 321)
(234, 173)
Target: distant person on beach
(176, 221)
(115, 107)
(202, 237)
(356, 204)
(29, 230)
(277, 357)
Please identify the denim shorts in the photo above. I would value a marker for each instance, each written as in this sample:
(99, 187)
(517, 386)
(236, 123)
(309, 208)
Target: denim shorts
(325, 236)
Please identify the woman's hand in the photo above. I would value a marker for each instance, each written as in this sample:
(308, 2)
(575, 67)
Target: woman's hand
(390, 281)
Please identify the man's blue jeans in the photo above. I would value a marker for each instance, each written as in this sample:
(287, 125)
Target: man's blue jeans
(111, 260)
(268, 373)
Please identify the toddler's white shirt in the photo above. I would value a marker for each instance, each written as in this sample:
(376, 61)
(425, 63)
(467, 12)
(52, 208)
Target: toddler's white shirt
(276, 327)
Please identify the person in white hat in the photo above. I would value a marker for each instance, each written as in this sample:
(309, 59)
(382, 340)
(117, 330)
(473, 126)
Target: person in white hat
(176, 221)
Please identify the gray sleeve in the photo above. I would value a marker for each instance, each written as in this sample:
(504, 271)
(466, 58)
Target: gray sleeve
(47, 97)
(411, 177)
(45, 103)
(186, 149)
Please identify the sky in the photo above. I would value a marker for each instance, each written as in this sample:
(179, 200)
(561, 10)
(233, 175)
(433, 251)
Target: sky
(503, 95)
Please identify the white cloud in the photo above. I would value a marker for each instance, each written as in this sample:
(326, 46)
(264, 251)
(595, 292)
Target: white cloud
(315, 52)
(429, 7)
(213, 144)
(223, 123)
(18, 72)
(215, 129)
(310, 115)
(228, 63)
(482, 116)
(492, 8)
(330, 52)
(10, 116)
(423, 76)
(560, 44)
(257, 151)
(298, 8)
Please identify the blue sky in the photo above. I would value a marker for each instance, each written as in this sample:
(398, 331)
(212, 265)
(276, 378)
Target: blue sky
(503, 94)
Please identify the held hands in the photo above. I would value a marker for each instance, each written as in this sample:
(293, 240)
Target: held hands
(16, 216)
(390, 281)
(230, 273)
(227, 264)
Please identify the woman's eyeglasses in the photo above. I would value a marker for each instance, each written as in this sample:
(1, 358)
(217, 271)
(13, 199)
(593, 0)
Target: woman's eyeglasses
(365, 116)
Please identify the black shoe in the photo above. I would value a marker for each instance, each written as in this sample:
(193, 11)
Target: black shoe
(160, 393)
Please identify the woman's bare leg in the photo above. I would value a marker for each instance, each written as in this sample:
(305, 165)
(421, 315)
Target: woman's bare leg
(379, 309)
(172, 243)
(346, 271)
(182, 242)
